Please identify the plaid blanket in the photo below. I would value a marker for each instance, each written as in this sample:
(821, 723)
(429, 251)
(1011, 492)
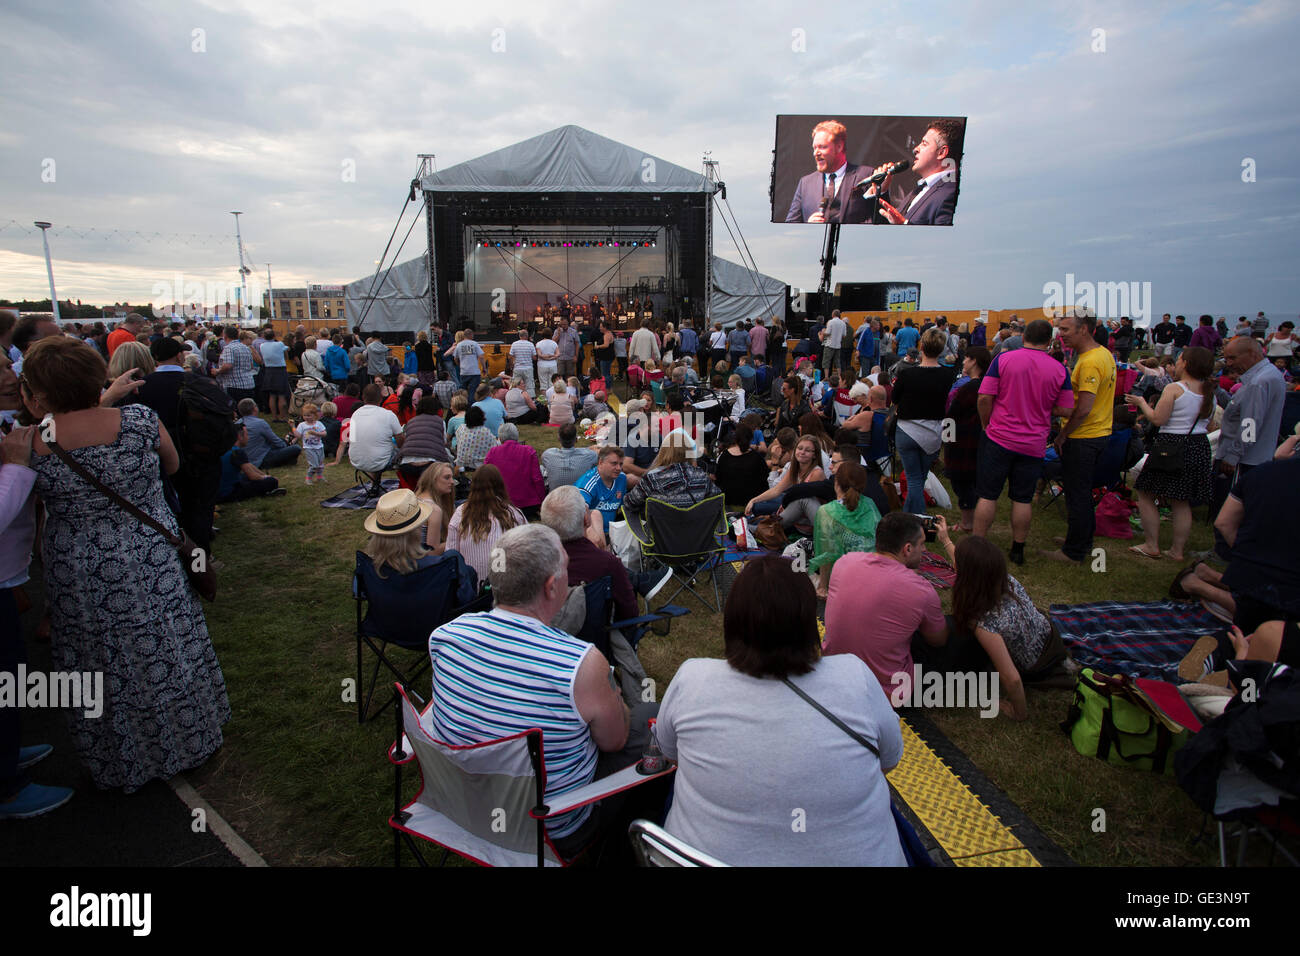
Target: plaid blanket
(1141, 640)
(937, 571)
(354, 498)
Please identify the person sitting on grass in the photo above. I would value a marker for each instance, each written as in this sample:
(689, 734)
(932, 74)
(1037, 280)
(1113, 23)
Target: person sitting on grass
(329, 417)
(266, 449)
(846, 524)
(474, 441)
(486, 514)
(748, 749)
(240, 478)
(803, 466)
(1260, 590)
(994, 625)
(742, 471)
(561, 406)
(604, 486)
(581, 530)
(459, 405)
(885, 590)
(519, 469)
(520, 407)
(437, 488)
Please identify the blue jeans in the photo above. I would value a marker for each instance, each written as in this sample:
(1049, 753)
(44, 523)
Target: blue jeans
(453, 370)
(916, 465)
(471, 383)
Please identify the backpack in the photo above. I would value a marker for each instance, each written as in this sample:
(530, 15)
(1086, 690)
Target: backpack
(213, 352)
(205, 420)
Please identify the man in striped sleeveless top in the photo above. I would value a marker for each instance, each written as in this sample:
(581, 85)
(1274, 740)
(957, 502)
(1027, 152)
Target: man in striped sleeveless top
(506, 670)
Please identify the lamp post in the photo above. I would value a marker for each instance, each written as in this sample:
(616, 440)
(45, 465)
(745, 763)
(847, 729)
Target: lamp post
(244, 271)
(49, 269)
(270, 292)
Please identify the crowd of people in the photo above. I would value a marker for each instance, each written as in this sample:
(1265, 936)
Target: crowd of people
(841, 451)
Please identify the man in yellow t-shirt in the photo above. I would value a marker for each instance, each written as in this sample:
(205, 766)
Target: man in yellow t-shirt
(1085, 434)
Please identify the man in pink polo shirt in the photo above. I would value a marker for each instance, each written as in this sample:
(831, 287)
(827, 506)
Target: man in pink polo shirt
(877, 602)
(1018, 396)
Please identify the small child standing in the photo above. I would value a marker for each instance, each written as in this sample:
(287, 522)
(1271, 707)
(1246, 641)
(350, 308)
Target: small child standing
(311, 432)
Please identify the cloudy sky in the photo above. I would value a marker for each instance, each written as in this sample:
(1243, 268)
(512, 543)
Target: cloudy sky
(1105, 140)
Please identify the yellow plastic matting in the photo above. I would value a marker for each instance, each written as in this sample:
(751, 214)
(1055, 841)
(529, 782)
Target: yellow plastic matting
(965, 828)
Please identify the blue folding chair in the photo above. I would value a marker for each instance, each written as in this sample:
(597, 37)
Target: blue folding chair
(404, 609)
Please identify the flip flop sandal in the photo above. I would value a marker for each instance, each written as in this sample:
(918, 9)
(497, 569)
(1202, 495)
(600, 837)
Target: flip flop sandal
(1192, 666)
(1137, 549)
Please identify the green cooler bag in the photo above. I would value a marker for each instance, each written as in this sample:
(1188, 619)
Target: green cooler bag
(1114, 720)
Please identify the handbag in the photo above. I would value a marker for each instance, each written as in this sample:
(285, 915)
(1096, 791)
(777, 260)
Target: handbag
(913, 849)
(195, 561)
(1167, 455)
(770, 533)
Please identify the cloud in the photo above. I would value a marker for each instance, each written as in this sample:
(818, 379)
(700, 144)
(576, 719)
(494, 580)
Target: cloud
(1123, 164)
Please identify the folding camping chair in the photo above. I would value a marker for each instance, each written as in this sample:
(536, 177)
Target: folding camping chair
(403, 610)
(687, 540)
(372, 481)
(618, 640)
(655, 846)
(1106, 475)
(485, 802)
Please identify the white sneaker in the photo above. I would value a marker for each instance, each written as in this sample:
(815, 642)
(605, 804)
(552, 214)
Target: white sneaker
(659, 586)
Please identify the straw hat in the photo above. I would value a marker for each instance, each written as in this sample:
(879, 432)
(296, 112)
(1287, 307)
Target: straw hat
(398, 512)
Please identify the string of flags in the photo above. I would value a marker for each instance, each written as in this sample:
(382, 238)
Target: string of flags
(13, 226)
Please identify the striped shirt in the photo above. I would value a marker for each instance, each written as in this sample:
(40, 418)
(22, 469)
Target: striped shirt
(498, 673)
(477, 552)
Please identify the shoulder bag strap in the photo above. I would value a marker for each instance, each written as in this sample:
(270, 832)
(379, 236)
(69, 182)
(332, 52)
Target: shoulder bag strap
(833, 719)
(112, 495)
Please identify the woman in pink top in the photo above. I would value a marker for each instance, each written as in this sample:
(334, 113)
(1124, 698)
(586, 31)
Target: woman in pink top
(519, 469)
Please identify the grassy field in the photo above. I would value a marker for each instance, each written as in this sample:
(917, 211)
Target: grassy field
(305, 784)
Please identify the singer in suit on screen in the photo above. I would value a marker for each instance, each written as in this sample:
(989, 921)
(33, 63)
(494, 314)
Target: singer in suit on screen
(935, 162)
(831, 193)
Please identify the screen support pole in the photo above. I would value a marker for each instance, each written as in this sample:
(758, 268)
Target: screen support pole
(829, 248)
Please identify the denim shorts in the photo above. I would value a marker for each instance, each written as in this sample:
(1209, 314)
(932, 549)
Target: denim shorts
(995, 464)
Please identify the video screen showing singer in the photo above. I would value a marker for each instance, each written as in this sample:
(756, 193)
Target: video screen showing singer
(913, 163)
(935, 164)
(830, 194)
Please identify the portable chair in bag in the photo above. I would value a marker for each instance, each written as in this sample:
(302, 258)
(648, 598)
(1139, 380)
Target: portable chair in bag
(1114, 719)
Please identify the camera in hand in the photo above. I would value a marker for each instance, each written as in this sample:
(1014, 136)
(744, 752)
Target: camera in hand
(931, 525)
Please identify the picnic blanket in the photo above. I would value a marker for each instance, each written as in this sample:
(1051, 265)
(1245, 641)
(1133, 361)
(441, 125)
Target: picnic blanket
(1141, 640)
(354, 498)
(937, 571)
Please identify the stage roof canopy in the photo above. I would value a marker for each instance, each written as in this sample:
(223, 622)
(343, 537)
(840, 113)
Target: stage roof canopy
(569, 159)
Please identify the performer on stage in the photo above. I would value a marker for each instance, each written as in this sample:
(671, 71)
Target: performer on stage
(935, 162)
(830, 194)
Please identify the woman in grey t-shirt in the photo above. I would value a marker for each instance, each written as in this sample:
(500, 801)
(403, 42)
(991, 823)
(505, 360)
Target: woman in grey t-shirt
(763, 778)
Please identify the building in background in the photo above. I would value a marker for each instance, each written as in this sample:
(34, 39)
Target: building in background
(326, 302)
